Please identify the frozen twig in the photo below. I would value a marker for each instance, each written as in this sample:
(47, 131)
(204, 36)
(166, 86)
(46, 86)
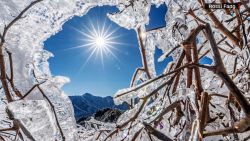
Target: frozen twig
(221, 71)
(156, 133)
(18, 18)
(2, 60)
(143, 52)
(220, 26)
(11, 79)
(50, 103)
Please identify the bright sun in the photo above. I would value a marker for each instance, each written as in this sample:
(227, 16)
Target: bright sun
(100, 42)
(99, 39)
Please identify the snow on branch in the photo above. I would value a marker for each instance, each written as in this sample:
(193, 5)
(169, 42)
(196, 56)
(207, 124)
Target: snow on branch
(190, 100)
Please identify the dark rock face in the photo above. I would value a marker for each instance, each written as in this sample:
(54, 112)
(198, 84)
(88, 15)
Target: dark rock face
(107, 115)
(86, 105)
(103, 115)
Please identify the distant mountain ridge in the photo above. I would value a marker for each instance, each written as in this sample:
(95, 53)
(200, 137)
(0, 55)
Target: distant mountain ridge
(87, 104)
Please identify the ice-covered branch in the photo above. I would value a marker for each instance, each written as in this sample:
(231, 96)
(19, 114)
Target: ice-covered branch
(18, 17)
(220, 70)
(220, 26)
(156, 133)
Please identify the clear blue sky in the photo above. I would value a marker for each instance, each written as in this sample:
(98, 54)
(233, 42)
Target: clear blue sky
(95, 78)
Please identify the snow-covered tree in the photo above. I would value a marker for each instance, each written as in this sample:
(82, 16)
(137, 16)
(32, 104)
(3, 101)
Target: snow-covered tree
(188, 101)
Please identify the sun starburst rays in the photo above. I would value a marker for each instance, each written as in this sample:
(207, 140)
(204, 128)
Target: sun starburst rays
(100, 41)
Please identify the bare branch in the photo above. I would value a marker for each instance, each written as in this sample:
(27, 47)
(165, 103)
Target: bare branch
(203, 112)
(221, 71)
(17, 18)
(187, 48)
(136, 134)
(167, 109)
(171, 51)
(2, 60)
(11, 66)
(53, 109)
(2, 138)
(156, 78)
(220, 132)
(3, 75)
(8, 129)
(211, 68)
(51, 105)
(134, 76)
(196, 69)
(156, 133)
(191, 12)
(31, 89)
(143, 52)
(11, 79)
(129, 120)
(220, 26)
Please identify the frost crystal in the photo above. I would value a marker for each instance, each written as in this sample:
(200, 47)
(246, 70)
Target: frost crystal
(172, 105)
(35, 118)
